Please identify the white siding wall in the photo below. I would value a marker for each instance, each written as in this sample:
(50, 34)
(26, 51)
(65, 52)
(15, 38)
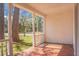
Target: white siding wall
(59, 27)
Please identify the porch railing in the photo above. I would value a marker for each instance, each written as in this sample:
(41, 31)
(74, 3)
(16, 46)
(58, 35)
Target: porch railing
(3, 47)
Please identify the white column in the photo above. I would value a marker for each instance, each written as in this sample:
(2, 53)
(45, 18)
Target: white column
(33, 29)
(37, 34)
(10, 48)
(44, 29)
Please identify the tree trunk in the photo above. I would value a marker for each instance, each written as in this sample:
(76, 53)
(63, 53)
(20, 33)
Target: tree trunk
(1, 21)
(15, 25)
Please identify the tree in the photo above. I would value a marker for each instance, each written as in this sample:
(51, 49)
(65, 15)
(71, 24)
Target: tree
(22, 26)
(15, 25)
(1, 21)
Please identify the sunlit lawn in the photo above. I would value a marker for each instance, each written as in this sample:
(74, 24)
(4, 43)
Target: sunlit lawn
(24, 43)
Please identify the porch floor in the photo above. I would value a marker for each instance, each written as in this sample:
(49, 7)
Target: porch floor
(47, 49)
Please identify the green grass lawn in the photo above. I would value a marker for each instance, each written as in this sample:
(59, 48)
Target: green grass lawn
(24, 43)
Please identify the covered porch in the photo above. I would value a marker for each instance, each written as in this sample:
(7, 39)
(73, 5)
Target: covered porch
(57, 35)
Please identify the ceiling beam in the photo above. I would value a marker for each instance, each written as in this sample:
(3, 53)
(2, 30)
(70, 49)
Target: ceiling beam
(28, 8)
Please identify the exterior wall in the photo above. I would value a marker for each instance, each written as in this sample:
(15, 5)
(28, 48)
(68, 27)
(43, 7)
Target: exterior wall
(59, 27)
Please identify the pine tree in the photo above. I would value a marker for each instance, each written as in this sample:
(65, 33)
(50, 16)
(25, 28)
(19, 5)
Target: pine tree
(1, 21)
(15, 25)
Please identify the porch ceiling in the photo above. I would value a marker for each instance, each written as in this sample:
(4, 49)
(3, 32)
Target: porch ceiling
(48, 9)
(52, 9)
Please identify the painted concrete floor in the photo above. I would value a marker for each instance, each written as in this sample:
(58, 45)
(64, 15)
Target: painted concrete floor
(48, 50)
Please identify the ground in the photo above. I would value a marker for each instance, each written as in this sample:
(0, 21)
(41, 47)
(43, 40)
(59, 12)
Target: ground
(24, 43)
(48, 49)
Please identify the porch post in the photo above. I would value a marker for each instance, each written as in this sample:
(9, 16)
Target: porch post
(10, 48)
(45, 40)
(33, 29)
(37, 34)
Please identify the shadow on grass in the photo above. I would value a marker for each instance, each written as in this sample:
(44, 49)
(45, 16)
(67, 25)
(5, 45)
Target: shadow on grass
(18, 47)
(21, 44)
(24, 43)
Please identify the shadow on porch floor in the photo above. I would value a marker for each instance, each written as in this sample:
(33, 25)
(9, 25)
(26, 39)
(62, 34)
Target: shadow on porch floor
(48, 50)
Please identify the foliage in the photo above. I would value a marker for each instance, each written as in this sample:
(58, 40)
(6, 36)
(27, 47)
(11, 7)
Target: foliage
(25, 24)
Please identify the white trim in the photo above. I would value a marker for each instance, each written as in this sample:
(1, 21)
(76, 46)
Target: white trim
(74, 31)
(10, 50)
